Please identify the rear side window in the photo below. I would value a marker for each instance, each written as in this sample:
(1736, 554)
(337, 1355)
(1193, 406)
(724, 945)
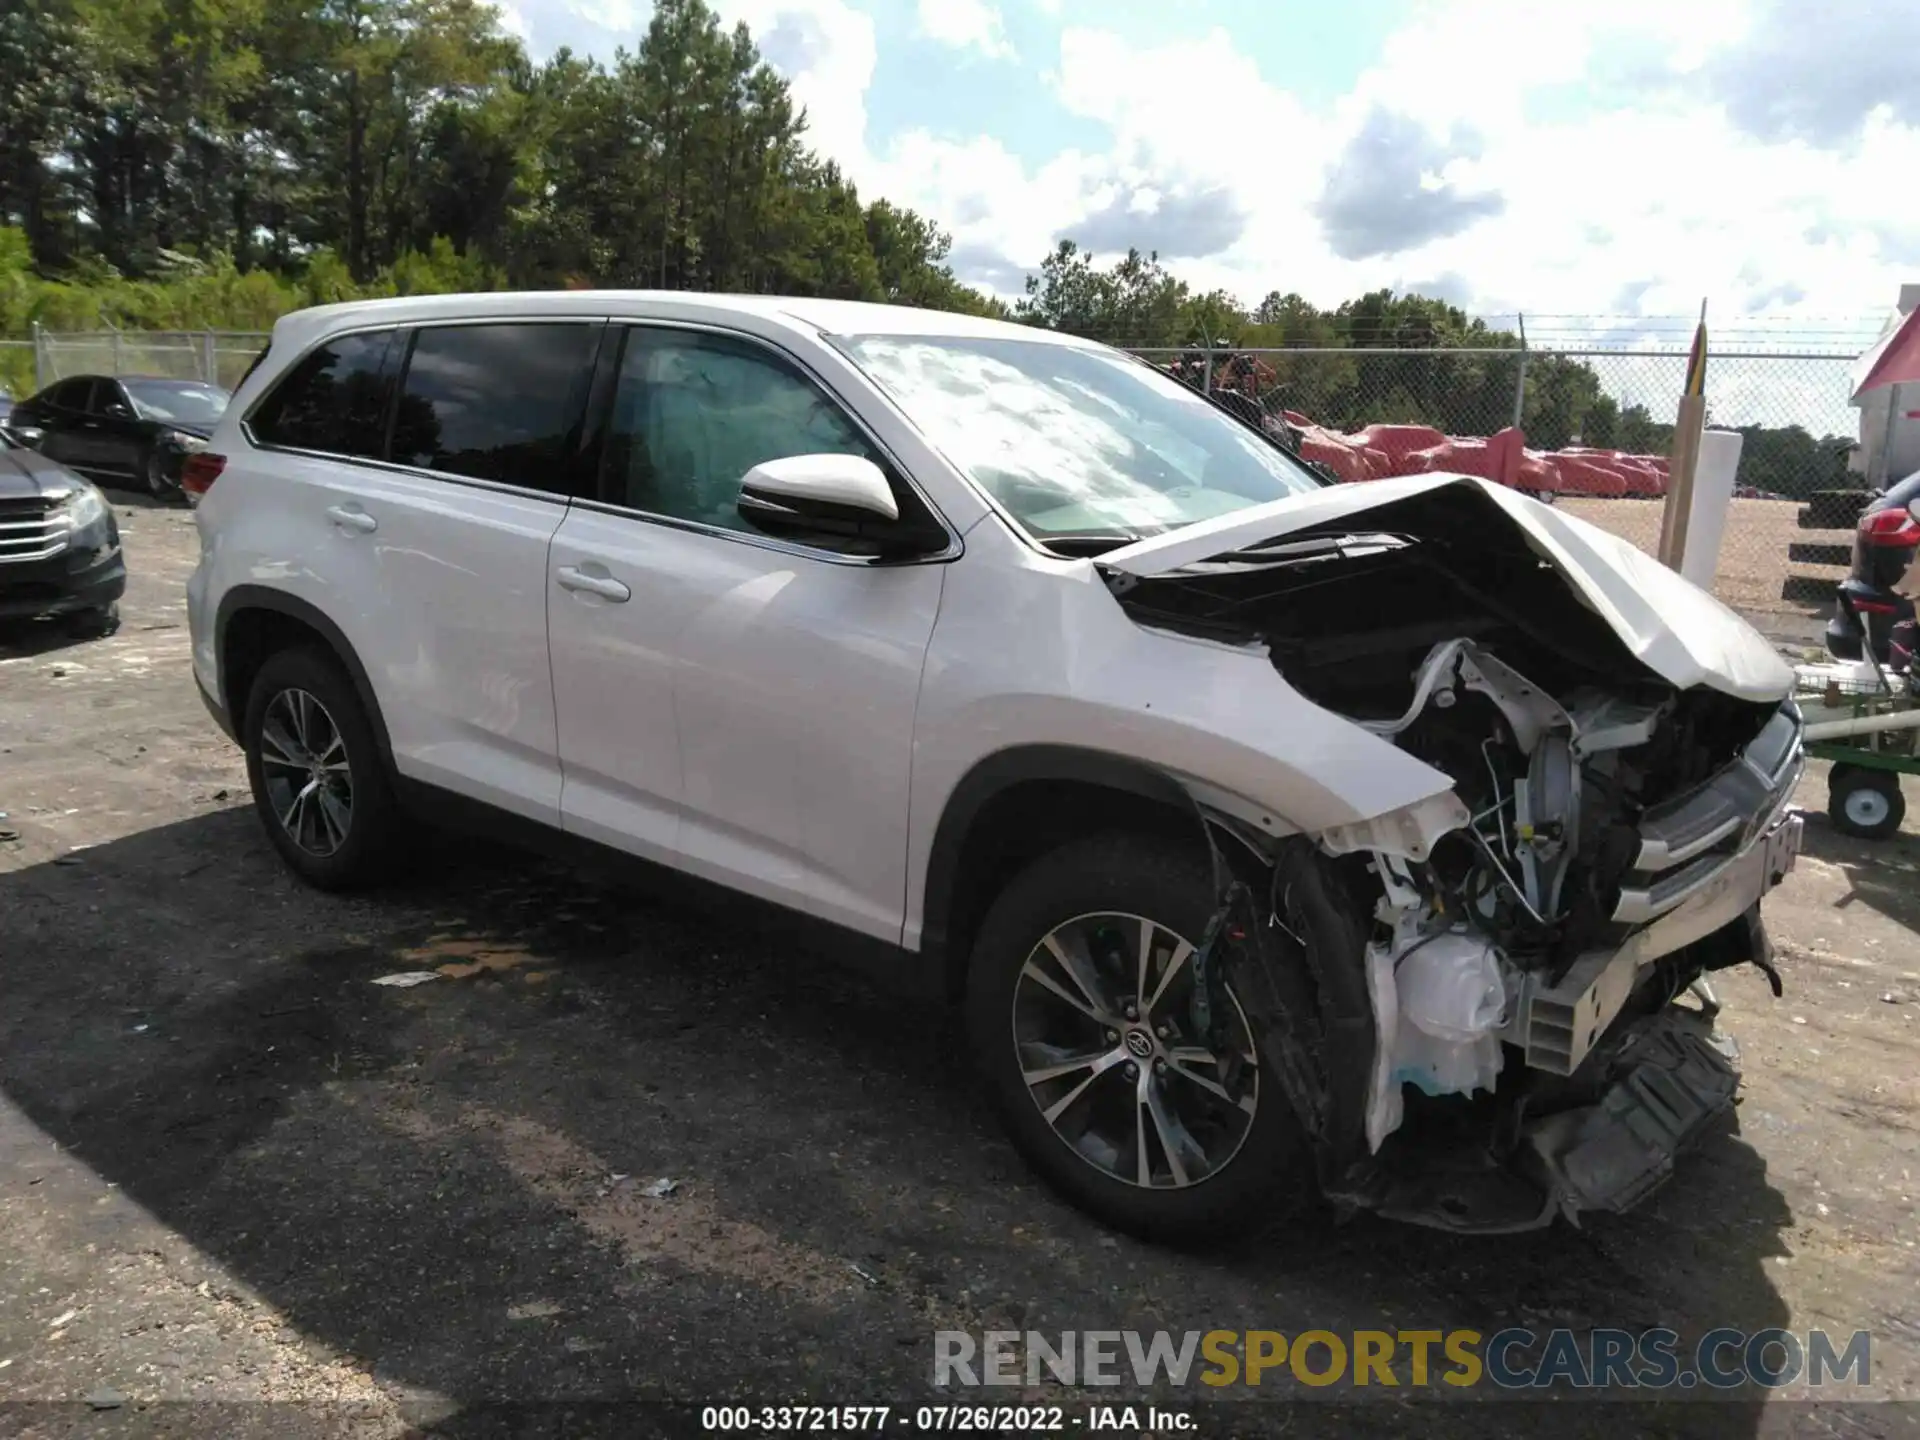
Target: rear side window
(496, 402)
(334, 401)
(72, 395)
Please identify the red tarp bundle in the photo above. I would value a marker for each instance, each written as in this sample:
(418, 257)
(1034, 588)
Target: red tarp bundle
(1381, 451)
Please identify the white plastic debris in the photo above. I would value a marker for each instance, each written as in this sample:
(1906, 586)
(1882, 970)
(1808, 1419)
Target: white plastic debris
(407, 979)
(1436, 1007)
(661, 1188)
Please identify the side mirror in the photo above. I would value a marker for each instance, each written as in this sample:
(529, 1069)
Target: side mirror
(840, 501)
(809, 486)
(27, 435)
(115, 410)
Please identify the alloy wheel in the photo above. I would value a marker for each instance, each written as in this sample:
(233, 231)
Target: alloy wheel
(1104, 1028)
(303, 759)
(1866, 808)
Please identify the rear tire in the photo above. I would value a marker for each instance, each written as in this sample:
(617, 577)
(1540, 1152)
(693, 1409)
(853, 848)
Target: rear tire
(1865, 803)
(318, 781)
(1211, 1168)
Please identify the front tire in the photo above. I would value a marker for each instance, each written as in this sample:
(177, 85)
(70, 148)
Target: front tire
(317, 778)
(1091, 1056)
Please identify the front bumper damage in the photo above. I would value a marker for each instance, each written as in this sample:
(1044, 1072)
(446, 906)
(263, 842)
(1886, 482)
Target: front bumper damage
(1704, 862)
(1597, 1074)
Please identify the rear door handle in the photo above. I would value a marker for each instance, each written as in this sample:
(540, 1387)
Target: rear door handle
(572, 577)
(349, 517)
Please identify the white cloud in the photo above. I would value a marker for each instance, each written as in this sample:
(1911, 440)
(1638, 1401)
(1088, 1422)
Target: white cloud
(1648, 203)
(1663, 198)
(512, 20)
(825, 49)
(966, 25)
(618, 15)
(1564, 159)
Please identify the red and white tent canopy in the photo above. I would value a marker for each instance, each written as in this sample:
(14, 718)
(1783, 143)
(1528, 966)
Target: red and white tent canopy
(1894, 360)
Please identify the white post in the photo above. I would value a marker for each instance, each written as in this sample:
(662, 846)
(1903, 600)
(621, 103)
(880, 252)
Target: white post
(1711, 501)
(1520, 387)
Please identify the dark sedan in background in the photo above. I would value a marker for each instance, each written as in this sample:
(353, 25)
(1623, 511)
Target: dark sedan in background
(59, 545)
(127, 429)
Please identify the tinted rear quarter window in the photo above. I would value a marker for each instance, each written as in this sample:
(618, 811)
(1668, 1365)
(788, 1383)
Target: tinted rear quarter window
(500, 402)
(71, 394)
(334, 401)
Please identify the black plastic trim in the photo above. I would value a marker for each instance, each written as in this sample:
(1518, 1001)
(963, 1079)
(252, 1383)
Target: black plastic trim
(1001, 771)
(216, 710)
(260, 597)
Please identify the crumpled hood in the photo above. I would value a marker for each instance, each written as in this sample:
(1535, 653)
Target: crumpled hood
(1676, 629)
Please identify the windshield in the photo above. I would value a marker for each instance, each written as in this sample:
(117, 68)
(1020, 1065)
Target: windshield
(184, 402)
(1077, 442)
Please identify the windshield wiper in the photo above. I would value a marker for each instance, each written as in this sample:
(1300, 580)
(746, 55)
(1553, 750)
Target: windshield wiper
(1087, 544)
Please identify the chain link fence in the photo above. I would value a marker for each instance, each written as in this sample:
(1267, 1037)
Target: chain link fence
(220, 357)
(1597, 426)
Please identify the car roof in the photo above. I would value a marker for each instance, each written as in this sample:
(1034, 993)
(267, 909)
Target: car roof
(143, 379)
(832, 317)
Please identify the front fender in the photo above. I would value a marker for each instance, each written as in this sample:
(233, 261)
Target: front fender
(1209, 717)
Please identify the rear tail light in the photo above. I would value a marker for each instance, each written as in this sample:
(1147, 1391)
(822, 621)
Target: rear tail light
(1890, 528)
(203, 467)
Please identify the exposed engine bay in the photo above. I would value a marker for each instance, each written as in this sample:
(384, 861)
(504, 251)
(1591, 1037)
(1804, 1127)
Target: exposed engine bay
(1476, 1010)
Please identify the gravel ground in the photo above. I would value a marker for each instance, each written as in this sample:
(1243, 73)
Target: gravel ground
(1753, 559)
(233, 1170)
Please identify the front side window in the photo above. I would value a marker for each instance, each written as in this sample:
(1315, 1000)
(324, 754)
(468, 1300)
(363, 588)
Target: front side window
(1074, 441)
(496, 402)
(693, 413)
(334, 401)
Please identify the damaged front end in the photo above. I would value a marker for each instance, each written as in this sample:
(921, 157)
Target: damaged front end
(1476, 1004)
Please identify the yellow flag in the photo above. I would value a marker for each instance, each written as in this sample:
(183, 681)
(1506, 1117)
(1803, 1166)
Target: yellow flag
(1697, 362)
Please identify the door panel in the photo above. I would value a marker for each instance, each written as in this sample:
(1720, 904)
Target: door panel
(442, 590)
(120, 442)
(796, 696)
(748, 708)
(613, 673)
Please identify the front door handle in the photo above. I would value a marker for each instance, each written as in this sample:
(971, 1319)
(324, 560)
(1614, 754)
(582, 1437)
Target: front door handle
(349, 517)
(572, 577)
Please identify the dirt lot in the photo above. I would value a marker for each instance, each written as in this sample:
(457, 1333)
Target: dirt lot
(1753, 558)
(234, 1170)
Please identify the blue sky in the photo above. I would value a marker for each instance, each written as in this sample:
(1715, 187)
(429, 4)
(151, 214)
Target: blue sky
(1575, 159)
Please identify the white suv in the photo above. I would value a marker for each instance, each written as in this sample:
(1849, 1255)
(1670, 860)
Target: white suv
(1277, 837)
